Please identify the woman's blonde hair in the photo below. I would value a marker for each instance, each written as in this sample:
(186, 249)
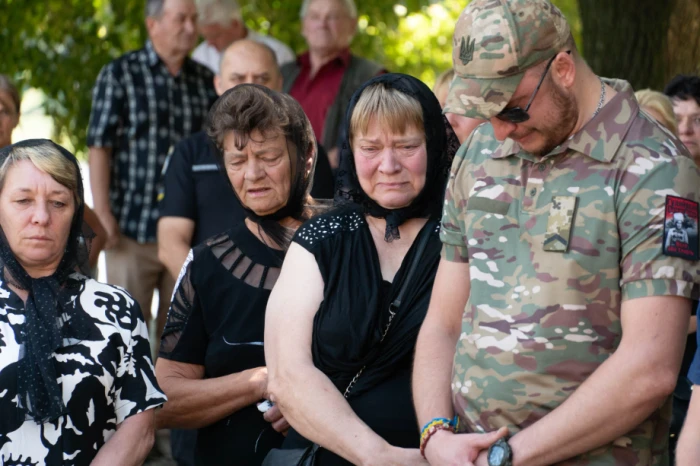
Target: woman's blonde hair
(444, 79)
(391, 108)
(661, 105)
(48, 159)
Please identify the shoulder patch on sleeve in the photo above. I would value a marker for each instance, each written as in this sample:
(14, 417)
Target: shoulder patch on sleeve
(681, 228)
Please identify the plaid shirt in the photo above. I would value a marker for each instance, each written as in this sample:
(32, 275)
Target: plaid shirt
(141, 111)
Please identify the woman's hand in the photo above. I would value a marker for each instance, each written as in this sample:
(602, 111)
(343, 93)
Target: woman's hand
(274, 416)
(448, 449)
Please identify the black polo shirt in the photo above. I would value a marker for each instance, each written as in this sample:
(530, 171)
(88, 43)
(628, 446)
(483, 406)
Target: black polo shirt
(195, 188)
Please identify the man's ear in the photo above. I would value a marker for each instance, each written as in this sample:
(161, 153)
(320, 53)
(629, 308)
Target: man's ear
(151, 24)
(217, 85)
(355, 24)
(564, 69)
(277, 83)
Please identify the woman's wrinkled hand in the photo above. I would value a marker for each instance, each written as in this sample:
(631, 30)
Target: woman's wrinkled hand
(274, 416)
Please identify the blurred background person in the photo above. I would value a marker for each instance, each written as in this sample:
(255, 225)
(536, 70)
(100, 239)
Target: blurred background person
(9, 110)
(323, 78)
(659, 107)
(144, 102)
(221, 24)
(688, 451)
(462, 126)
(212, 361)
(684, 91)
(351, 264)
(76, 378)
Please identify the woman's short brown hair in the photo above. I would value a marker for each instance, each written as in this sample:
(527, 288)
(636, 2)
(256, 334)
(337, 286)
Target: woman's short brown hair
(444, 79)
(47, 158)
(249, 107)
(391, 108)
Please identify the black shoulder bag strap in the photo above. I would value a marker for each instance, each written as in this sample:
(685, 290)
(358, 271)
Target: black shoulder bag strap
(423, 238)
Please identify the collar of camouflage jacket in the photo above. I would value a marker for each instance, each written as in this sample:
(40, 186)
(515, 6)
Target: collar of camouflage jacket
(600, 138)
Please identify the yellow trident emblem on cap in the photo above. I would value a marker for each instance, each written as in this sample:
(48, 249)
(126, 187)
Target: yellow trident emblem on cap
(466, 50)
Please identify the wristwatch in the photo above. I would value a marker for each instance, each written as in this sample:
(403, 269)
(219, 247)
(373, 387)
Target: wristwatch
(500, 454)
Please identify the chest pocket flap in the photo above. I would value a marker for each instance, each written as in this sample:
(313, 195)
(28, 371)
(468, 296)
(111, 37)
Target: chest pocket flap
(484, 204)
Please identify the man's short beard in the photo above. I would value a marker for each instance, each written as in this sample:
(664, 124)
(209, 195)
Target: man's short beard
(561, 120)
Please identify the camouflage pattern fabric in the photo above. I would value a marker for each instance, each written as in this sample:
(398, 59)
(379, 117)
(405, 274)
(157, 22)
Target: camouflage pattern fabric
(561, 215)
(495, 42)
(538, 323)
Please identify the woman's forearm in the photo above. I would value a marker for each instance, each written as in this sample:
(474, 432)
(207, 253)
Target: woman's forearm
(130, 444)
(317, 410)
(195, 403)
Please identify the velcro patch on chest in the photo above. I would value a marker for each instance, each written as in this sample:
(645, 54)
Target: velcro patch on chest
(561, 218)
(681, 228)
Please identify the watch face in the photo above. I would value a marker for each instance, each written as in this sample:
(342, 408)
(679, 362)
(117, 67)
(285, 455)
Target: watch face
(496, 455)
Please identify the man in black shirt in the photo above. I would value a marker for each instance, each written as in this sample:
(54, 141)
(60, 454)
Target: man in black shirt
(144, 102)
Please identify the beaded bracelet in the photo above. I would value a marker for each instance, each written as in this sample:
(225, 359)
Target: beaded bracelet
(438, 423)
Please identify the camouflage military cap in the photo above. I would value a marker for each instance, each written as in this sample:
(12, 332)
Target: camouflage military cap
(495, 42)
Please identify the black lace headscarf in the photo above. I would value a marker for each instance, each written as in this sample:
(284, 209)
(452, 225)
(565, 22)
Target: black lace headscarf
(249, 107)
(441, 145)
(49, 312)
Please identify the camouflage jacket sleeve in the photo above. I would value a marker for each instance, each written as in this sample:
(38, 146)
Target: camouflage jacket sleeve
(452, 228)
(641, 199)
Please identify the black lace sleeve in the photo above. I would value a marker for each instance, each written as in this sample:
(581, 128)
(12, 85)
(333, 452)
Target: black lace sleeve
(184, 337)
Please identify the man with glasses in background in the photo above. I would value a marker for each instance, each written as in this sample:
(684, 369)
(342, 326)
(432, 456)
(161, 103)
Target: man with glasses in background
(323, 78)
(558, 314)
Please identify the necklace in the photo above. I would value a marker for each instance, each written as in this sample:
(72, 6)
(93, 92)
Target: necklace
(602, 98)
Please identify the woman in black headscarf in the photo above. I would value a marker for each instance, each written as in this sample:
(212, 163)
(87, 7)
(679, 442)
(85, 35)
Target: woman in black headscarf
(329, 330)
(76, 379)
(212, 364)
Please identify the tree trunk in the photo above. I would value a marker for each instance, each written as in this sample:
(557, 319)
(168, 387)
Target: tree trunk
(628, 39)
(683, 55)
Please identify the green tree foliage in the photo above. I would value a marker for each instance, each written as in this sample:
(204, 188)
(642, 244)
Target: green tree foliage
(59, 46)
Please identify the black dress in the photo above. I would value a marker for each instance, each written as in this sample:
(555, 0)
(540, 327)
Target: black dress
(351, 318)
(217, 320)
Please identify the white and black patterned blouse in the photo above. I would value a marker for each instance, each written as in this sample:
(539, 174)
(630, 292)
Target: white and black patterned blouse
(105, 378)
(141, 111)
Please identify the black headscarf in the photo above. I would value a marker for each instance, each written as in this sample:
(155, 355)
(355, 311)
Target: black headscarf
(254, 100)
(363, 316)
(49, 311)
(441, 145)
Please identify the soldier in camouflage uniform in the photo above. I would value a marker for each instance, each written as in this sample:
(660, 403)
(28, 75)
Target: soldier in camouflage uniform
(557, 312)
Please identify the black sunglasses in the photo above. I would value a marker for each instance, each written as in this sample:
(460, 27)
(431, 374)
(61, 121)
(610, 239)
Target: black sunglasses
(517, 114)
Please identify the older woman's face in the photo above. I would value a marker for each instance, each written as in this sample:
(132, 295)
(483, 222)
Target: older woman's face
(390, 167)
(36, 213)
(261, 172)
